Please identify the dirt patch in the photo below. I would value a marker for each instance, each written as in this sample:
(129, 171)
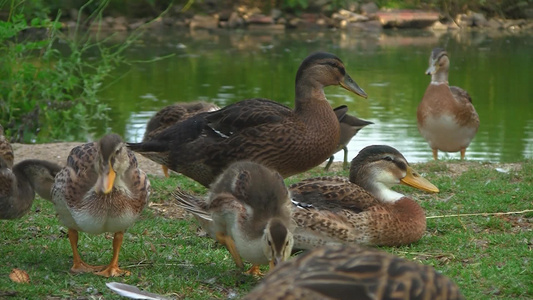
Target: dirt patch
(58, 153)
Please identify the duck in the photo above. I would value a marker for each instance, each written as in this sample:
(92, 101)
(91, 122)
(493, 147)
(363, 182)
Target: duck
(289, 141)
(362, 209)
(353, 272)
(19, 184)
(6, 150)
(101, 189)
(446, 117)
(173, 114)
(349, 127)
(248, 211)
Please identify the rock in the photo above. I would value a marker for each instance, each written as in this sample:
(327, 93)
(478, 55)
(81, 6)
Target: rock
(494, 24)
(269, 27)
(275, 13)
(479, 20)
(373, 25)
(369, 8)
(407, 18)
(235, 20)
(259, 19)
(464, 20)
(349, 16)
(203, 22)
(440, 26)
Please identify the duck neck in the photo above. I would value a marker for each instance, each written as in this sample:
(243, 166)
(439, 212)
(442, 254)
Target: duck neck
(378, 189)
(440, 77)
(309, 96)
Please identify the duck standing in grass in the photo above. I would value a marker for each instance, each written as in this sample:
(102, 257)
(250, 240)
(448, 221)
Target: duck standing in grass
(364, 209)
(247, 210)
(288, 141)
(355, 273)
(101, 189)
(349, 127)
(172, 114)
(446, 117)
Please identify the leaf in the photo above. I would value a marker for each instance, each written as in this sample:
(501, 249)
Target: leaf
(19, 276)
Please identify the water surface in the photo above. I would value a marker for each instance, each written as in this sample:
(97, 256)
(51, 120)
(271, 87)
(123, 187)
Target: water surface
(228, 66)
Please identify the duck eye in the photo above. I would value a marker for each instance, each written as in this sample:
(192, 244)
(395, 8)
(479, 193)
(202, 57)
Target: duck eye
(388, 158)
(269, 243)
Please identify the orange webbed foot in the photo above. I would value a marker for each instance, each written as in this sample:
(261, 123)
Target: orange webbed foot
(82, 267)
(113, 271)
(255, 271)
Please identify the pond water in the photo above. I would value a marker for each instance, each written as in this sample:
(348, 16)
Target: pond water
(227, 66)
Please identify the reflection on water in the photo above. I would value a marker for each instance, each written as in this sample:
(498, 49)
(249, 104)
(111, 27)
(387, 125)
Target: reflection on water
(225, 67)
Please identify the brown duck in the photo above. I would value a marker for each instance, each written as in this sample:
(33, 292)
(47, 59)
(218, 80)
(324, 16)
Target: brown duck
(362, 210)
(353, 272)
(101, 189)
(173, 114)
(247, 210)
(349, 127)
(19, 184)
(446, 117)
(260, 130)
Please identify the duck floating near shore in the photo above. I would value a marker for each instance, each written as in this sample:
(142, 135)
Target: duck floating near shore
(261, 130)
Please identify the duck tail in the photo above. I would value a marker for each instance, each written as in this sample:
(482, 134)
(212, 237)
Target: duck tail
(192, 204)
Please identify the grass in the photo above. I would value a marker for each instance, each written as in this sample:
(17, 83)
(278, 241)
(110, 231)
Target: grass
(487, 255)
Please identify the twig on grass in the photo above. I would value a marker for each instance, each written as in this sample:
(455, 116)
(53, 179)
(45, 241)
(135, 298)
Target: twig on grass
(482, 214)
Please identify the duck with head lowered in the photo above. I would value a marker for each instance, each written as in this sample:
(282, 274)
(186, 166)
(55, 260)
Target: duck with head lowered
(446, 117)
(101, 189)
(247, 210)
(260, 130)
(364, 209)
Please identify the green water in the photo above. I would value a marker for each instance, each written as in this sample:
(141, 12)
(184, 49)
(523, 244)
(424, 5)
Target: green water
(224, 67)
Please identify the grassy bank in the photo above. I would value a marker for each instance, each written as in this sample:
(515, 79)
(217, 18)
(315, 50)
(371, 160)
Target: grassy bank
(486, 253)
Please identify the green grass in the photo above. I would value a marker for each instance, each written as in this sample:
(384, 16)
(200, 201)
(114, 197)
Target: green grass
(488, 256)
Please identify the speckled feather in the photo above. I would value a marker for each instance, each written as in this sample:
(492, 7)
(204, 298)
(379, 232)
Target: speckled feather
(353, 272)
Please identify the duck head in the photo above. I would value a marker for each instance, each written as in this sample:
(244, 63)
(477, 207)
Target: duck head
(113, 161)
(277, 242)
(377, 168)
(439, 63)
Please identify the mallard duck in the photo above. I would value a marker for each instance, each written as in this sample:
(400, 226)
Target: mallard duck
(247, 210)
(172, 114)
(19, 185)
(101, 189)
(446, 117)
(363, 209)
(353, 272)
(260, 130)
(6, 151)
(349, 127)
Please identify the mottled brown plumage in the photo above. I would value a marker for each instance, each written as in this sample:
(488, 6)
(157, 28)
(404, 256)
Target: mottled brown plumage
(260, 130)
(362, 210)
(247, 210)
(19, 185)
(6, 151)
(446, 117)
(355, 273)
(101, 189)
(349, 127)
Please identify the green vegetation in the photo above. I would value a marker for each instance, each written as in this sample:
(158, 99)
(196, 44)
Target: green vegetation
(50, 81)
(487, 254)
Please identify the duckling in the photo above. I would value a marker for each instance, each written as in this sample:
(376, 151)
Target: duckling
(247, 210)
(446, 117)
(6, 151)
(287, 141)
(19, 185)
(349, 127)
(364, 209)
(173, 114)
(353, 272)
(101, 189)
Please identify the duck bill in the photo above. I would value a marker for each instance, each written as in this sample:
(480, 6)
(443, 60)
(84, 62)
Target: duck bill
(431, 70)
(275, 261)
(349, 84)
(414, 179)
(108, 179)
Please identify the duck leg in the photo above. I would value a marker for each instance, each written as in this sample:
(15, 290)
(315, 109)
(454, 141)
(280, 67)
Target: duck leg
(230, 245)
(463, 151)
(255, 271)
(435, 154)
(345, 164)
(329, 163)
(79, 266)
(165, 170)
(112, 269)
